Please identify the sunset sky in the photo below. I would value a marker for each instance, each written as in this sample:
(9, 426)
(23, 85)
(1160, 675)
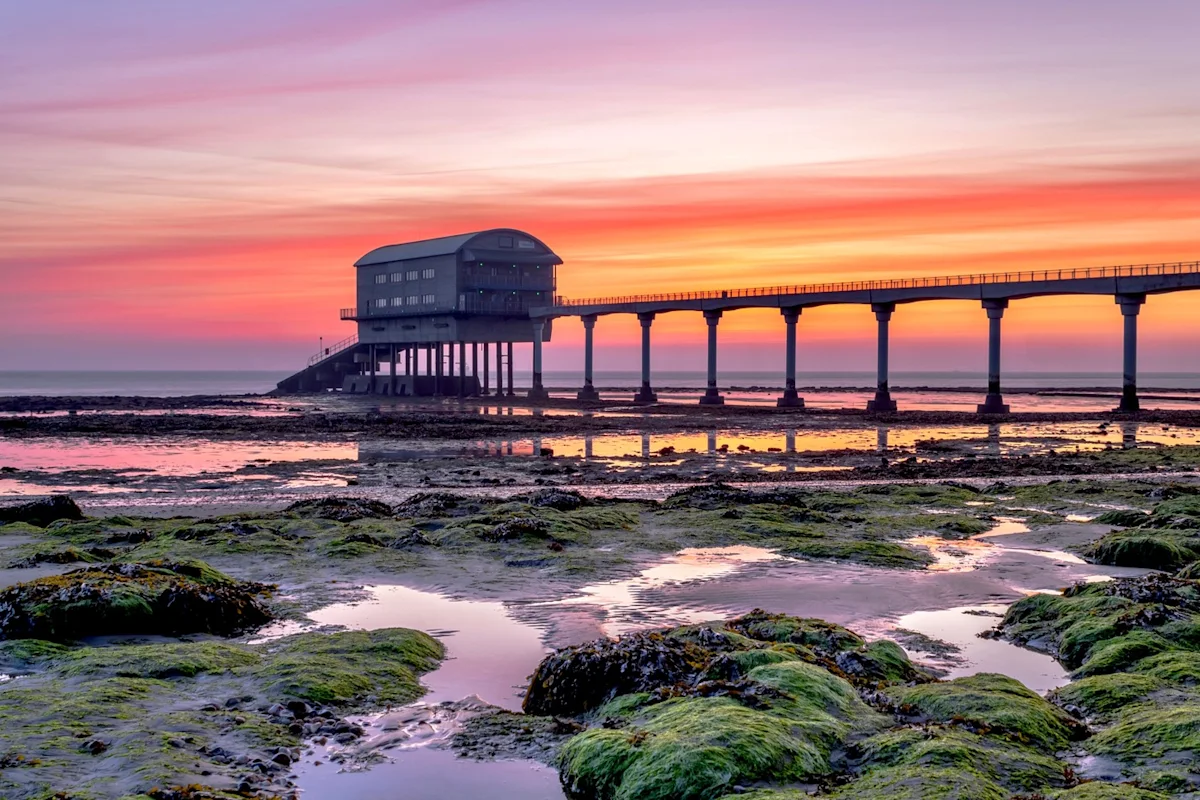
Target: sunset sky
(186, 184)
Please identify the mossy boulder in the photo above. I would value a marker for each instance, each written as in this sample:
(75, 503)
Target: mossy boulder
(341, 509)
(701, 747)
(990, 703)
(921, 763)
(165, 660)
(1160, 735)
(1123, 517)
(883, 661)
(1144, 548)
(578, 679)
(351, 665)
(41, 513)
(156, 597)
(1177, 667)
(1099, 696)
(825, 637)
(1089, 615)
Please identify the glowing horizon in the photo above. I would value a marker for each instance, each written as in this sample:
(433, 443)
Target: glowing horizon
(192, 186)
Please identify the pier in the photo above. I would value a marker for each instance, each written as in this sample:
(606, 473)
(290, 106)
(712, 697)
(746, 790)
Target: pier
(1129, 286)
(450, 302)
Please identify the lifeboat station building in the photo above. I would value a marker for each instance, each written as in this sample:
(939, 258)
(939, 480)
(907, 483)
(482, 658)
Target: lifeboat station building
(436, 317)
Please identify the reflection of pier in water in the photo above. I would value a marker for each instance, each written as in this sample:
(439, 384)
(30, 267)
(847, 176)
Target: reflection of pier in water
(781, 448)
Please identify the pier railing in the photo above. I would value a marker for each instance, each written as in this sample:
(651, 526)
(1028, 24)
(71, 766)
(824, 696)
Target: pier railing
(1126, 271)
(334, 349)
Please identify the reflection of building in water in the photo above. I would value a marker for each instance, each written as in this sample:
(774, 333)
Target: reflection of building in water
(790, 440)
(881, 440)
(645, 445)
(587, 446)
(993, 440)
(712, 443)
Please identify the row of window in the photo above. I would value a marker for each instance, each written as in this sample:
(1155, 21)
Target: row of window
(411, 275)
(411, 300)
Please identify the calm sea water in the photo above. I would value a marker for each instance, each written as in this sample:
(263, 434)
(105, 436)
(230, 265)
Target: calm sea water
(184, 383)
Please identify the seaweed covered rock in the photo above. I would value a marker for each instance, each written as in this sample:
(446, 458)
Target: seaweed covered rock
(41, 512)
(341, 509)
(1073, 627)
(881, 661)
(947, 763)
(1123, 517)
(990, 703)
(578, 679)
(348, 665)
(558, 499)
(824, 638)
(702, 747)
(517, 527)
(156, 597)
(1146, 548)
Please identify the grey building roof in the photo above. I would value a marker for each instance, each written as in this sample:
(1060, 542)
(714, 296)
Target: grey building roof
(426, 248)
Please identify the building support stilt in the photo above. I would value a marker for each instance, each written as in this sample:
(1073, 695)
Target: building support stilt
(538, 392)
(511, 393)
(499, 369)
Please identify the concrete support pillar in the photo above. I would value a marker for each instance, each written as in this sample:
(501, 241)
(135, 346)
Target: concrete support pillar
(588, 392)
(1131, 305)
(645, 394)
(374, 367)
(790, 399)
(462, 368)
(499, 370)
(712, 397)
(883, 401)
(511, 392)
(395, 355)
(439, 366)
(994, 402)
(486, 388)
(428, 360)
(474, 368)
(536, 390)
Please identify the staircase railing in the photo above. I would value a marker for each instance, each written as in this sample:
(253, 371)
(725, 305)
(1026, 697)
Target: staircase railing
(334, 349)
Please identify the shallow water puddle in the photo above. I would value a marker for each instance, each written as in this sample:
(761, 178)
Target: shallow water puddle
(626, 610)
(962, 626)
(489, 654)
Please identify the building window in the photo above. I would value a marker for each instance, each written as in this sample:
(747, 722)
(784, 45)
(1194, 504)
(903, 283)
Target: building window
(381, 278)
(429, 299)
(506, 241)
(412, 300)
(381, 302)
(427, 274)
(397, 277)
(411, 275)
(396, 301)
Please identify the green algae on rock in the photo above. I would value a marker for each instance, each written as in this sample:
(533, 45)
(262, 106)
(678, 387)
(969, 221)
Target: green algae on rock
(156, 597)
(347, 666)
(107, 722)
(992, 703)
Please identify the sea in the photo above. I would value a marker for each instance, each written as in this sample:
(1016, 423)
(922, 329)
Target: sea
(185, 383)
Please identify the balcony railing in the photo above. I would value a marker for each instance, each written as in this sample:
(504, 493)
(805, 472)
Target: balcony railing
(1129, 271)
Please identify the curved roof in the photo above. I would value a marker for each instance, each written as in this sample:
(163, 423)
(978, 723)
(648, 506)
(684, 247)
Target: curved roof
(442, 246)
